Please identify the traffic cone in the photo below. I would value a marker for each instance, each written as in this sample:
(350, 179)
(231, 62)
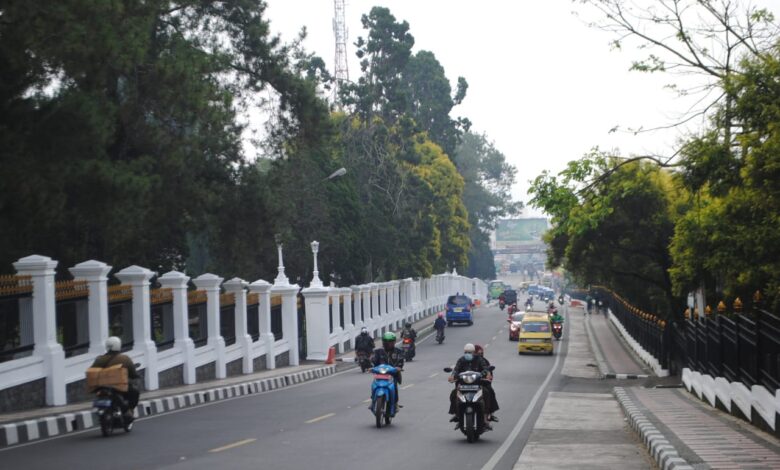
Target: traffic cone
(331, 355)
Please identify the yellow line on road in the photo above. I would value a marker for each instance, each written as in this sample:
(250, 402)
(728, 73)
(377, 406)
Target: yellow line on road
(235, 444)
(407, 386)
(320, 418)
(433, 375)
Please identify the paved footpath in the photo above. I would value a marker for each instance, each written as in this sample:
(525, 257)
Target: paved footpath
(582, 426)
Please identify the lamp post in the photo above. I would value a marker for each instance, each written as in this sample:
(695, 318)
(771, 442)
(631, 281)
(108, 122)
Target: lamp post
(315, 280)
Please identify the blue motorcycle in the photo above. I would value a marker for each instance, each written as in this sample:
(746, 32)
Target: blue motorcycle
(383, 394)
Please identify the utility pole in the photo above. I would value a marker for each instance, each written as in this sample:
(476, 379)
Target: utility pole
(340, 63)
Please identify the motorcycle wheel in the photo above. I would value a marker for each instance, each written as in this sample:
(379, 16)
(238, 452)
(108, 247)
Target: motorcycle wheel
(379, 410)
(388, 418)
(471, 427)
(106, 424)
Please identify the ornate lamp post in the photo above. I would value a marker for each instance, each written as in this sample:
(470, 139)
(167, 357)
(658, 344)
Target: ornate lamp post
(315, 280)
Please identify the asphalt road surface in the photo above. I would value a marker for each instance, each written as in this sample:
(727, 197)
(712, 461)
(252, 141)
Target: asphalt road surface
(325, 424)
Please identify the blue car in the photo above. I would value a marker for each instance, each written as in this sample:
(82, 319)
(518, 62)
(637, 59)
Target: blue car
(459, 310)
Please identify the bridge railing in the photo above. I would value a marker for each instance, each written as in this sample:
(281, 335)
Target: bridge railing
(187, 330)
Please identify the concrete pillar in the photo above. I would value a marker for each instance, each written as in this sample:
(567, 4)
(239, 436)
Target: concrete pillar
(317, 323)
(138, 278)
(357, 304)
(365, 305)
(263, 290)
(95, 273)
(41, 271)
(211, 283)
(373, 292)
(237, 286)
(336, 312)
(289, 294)
(349, 327)
(381, 291)
(177, 283)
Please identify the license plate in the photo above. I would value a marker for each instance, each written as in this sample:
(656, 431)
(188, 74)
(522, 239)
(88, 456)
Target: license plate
(468, 388)
(383, 376)
(459, 309)
(535, 340)
(101, 403)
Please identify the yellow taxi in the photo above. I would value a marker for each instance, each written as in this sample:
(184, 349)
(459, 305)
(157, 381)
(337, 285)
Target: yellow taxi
(535, 334)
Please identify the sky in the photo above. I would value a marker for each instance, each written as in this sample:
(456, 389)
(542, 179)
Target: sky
(543, 86)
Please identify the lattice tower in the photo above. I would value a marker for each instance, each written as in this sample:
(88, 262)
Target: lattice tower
(340, 63)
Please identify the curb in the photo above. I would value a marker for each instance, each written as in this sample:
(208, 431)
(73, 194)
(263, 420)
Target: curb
(41, 428)
(664, 453)
(626, 376)
(603, 370)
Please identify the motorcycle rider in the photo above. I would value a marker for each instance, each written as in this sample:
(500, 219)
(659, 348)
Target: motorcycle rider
(364, 343)
(439, 324)
(408, 332)
(469, 361)
(112, 357)
(389, 354)
(487, 386)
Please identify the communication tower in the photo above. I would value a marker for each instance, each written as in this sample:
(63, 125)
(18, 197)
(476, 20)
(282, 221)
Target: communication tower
(340, 63)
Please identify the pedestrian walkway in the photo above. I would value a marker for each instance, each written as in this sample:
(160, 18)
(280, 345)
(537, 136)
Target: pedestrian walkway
(615, 358)
(703, 436)
(582, 430)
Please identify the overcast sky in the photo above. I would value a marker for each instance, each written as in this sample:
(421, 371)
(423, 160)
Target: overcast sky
(543, 86)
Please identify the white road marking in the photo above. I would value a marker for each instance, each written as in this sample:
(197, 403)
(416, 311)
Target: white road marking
(320, 418)
(433, 375)
(230, 446)
(488, 344)
(494, 338)
(520, 424)
(407, 386)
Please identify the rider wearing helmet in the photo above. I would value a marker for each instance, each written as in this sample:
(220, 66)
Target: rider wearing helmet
(389, 354)
(469, 361)
(364, 343)
(440, 323)
(408, 332)
(114, 356)
(487, 386)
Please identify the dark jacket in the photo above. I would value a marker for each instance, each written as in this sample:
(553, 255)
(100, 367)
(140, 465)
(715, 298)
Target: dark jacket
(439, 323)
(477, 364)
(364, 343)
(113, 358)
(395, 358)
(409, 333)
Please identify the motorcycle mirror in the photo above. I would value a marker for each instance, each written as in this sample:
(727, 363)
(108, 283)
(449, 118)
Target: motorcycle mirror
(448, 369)
(492, 368)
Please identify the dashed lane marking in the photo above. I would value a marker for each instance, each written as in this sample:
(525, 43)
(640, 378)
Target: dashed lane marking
(488, 344)
(233, 445)
(407, 386)
(433, 375)
(320, 418)
(494, 338)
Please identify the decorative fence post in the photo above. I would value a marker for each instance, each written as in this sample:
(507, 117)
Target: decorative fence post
(138, 278)
(349, 327)
(177, 283)
(317, 322)
(210, 283)
(336, 314)
(374, 302)
(41, 271)
(95, 272)
(356, 299)
(263, 290)
(237, 286)
(288, 292)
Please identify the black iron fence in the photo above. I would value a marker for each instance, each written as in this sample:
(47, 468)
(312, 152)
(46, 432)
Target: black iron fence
(739, 346)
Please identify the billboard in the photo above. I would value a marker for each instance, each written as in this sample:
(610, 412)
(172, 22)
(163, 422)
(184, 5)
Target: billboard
(520, 231)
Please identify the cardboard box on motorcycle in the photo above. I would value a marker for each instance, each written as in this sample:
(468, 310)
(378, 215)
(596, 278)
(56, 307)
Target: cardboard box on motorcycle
(113, 376)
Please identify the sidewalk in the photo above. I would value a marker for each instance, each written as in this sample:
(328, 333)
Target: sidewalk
(28, 425)
(582, 426)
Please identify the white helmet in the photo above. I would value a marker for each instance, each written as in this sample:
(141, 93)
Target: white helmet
(469, 348)
(364, 330)
(113, 344)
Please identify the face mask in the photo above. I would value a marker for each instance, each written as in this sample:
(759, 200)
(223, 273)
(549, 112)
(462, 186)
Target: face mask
(468, 356)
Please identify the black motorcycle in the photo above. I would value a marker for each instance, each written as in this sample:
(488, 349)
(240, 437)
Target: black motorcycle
(440, 335)
(471, 403)
(109, 404)
(363, 359)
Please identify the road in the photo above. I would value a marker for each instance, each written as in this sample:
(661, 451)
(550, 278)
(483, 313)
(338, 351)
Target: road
(325, 424)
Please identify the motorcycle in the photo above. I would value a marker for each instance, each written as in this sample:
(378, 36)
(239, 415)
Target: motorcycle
(364, 360)
(557, 329)
(383, 394)
(109, 405)
(440, 335)
(408, 347)
(560, 300)
(471, 404)
(501, 304)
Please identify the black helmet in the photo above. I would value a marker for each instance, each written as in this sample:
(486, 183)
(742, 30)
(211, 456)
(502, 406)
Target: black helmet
(407, 325)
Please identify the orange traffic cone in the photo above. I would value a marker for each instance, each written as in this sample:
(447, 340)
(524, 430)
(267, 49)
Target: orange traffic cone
(331, 355)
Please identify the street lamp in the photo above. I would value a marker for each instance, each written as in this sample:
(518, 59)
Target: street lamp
(315, 280)
(340, 172)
